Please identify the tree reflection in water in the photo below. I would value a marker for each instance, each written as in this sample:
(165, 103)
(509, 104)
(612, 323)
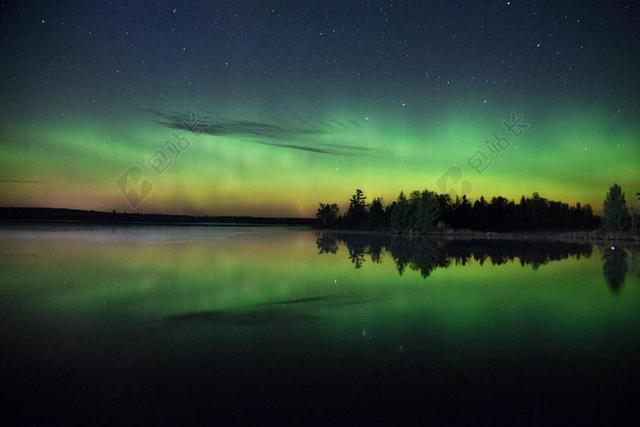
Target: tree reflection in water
(615, 267)
(424, 254)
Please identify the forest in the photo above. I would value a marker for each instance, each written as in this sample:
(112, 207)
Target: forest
(426, 211)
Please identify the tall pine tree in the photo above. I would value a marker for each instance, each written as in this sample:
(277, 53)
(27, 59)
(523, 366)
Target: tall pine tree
(616, 213)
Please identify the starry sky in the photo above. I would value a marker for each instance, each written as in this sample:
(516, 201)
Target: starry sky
(268, 107)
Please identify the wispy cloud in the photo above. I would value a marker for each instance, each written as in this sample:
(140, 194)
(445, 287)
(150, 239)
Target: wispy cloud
(300, 135)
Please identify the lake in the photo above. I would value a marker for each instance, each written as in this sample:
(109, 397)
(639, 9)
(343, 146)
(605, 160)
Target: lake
(269, 325)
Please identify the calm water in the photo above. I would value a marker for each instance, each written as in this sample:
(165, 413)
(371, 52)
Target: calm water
(180, 325)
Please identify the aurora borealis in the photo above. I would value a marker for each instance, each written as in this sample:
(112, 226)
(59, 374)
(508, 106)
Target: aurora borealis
(304, 101)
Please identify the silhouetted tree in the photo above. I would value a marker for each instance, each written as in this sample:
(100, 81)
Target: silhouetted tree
(414, 199)
(445, 210)
(376, 215)
(462, 213)
(399, 220)
(357, 213)
(616, 213)
(426, 212)
(327, 215)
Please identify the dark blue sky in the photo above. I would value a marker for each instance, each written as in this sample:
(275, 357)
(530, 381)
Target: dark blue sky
(422, 51)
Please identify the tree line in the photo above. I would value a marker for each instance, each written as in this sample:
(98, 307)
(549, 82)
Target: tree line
(424, 211)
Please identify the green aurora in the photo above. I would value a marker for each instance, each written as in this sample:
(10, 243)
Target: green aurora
(76, 161)
(400, 93)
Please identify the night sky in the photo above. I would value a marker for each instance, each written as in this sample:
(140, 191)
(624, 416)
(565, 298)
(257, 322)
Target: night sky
(268, 107)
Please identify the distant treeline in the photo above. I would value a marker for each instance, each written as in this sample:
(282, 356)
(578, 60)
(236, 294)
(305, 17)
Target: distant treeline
(82, 216)
(425, 211)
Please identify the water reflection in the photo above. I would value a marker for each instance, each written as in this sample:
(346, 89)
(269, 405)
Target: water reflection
(615, 267)
(172, 319)
(424, 254)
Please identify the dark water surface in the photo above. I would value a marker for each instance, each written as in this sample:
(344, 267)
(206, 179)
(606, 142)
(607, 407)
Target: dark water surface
(183, 325)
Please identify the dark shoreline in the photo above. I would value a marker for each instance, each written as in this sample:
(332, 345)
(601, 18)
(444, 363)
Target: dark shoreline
(594, 236)
(19, 215)
(31, 216)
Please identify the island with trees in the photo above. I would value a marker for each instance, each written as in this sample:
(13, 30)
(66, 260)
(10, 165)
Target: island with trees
(428, 212)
